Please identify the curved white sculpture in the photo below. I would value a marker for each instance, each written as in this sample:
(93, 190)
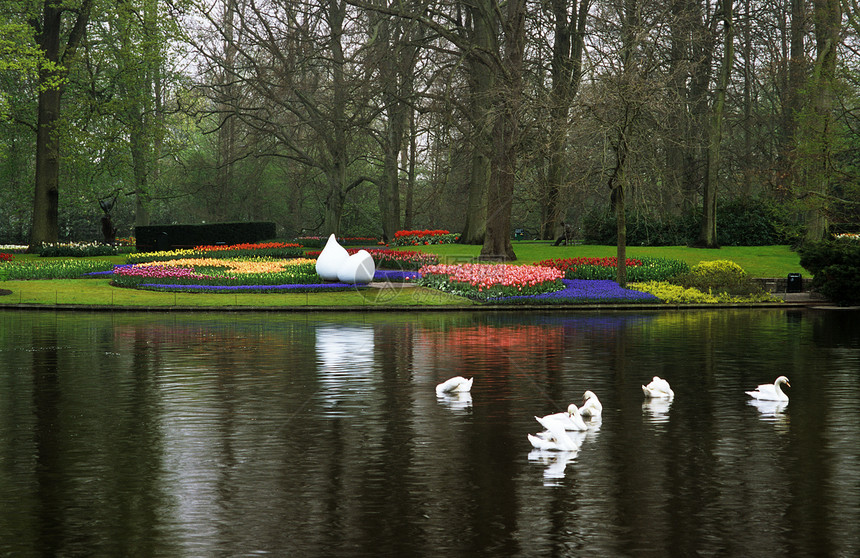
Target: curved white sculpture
(358, 268)
(331, 259)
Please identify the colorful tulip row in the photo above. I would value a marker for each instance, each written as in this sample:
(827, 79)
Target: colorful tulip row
(280, 250)
(393, 259)
(566, 264)
(423, 237)
(217, 271)
(246, 246)
(485, 281)
(644, 269)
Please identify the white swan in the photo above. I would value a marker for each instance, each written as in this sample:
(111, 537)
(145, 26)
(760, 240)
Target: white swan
(555, 438)
(591, 406)
(658, 389)
(569, 420)
(771, 392)
(454, 385)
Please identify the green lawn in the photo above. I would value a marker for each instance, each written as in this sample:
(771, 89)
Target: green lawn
(98, 292)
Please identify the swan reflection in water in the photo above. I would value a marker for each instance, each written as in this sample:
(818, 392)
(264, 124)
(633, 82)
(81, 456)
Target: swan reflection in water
(657, 410)
(554, 460)
(555, 463)
(456, 401)
(772, 411)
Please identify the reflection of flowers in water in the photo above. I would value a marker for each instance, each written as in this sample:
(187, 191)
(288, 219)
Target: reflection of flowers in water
(657, 410)
(458, 401)
(345, 358)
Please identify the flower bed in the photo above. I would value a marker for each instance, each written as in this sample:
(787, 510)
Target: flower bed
(204, 273)
(71, 268)
(77, 250)
(392, 259)
(583, 291)
(267, 249)
(423, 238)
(4, 257)
(485, 281)
(644, 269)
(678, 294)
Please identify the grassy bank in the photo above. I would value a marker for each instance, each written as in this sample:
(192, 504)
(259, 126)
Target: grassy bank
(98, 292)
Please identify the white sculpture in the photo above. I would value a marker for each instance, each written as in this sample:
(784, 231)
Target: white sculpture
(330, 260)
(358, 268)
(335, 264)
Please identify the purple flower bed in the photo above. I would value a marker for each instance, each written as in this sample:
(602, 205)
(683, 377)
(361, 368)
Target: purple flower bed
(394, 275)
(579, 291)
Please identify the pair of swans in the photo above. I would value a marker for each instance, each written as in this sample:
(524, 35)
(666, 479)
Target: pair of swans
(659, 389)
(558, 426)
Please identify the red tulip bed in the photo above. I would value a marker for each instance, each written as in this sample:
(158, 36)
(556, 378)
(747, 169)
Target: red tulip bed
(423, 238)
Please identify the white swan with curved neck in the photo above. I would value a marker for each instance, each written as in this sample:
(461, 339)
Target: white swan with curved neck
(591, 406)
(658, 389)
(771, 392)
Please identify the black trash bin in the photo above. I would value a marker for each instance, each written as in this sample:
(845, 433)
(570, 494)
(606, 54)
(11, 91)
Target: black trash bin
(795, 283)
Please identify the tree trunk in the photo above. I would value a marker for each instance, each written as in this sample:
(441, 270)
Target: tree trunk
(46, 200)
(708, 231)
(482, 81)
(566, 70)
(337, 143)
(827, 17)
(47, 180)
(497, 244)
(617, 185)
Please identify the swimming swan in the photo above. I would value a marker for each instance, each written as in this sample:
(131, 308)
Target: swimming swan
(555, 438)
(658, 389)
(453, 385)
(569, 420)
(771, 392)
(591, 406)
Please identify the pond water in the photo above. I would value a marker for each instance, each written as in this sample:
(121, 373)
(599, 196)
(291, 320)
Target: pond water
(196, 434)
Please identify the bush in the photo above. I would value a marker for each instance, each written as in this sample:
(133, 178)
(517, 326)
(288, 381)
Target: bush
(835, 268)
(721, 276)
(167, 237)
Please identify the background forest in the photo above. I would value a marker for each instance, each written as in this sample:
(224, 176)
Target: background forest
(658, 121)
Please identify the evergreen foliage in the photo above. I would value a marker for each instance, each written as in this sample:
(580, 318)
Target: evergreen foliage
(835, 268)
